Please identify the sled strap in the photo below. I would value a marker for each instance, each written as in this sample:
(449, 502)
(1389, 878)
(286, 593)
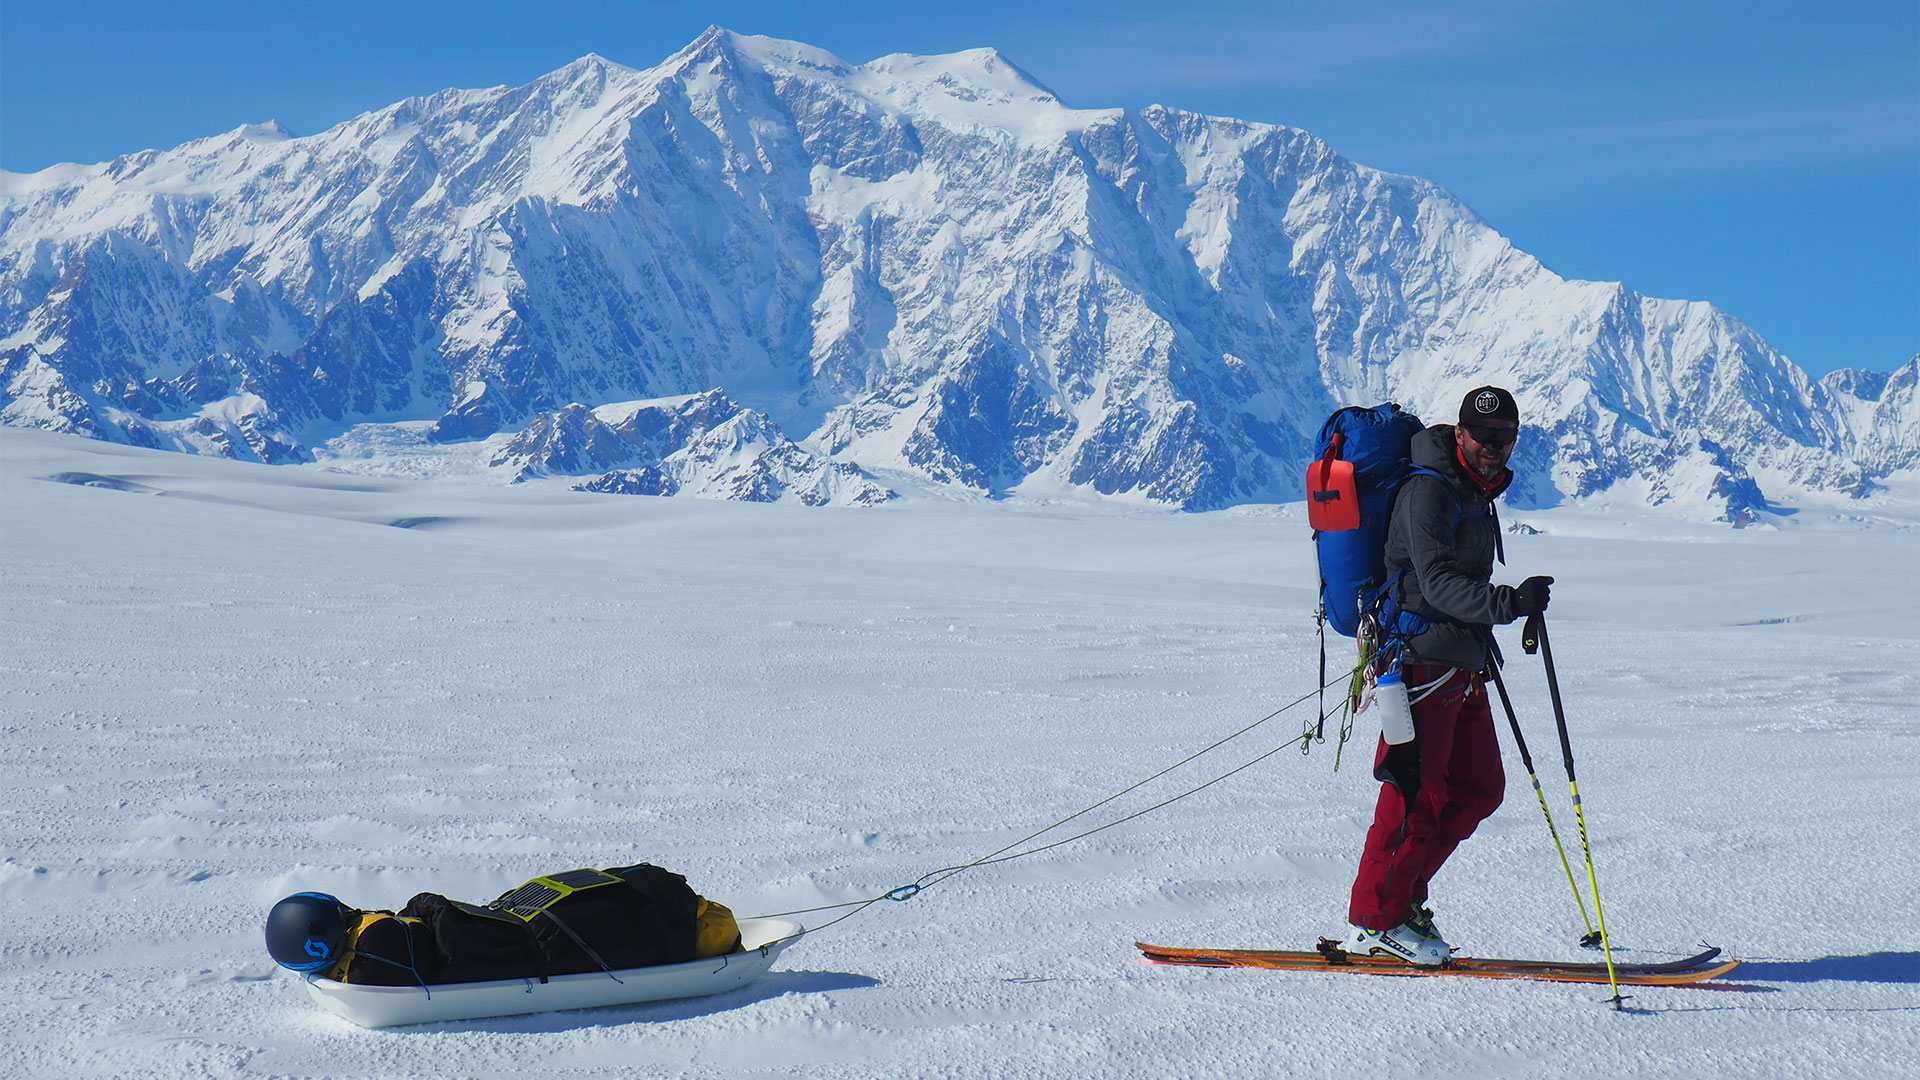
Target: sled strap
(584, 947)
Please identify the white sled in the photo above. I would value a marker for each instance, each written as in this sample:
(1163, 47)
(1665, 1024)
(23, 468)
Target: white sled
(386, 1006)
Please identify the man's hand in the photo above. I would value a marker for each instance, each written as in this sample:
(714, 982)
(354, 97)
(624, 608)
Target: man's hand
(1530, 598)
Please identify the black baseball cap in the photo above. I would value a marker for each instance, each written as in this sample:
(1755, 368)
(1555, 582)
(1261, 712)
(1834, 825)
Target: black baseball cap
(1488, 403)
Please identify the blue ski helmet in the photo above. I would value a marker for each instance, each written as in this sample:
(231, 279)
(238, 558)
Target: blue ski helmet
(307, 931)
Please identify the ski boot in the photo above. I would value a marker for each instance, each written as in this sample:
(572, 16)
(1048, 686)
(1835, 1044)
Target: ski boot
(1403, 942)
(1422, 922)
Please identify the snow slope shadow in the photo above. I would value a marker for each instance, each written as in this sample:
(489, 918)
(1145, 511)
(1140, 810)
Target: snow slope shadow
(95, 480)
(771, 985)
(1880, 967)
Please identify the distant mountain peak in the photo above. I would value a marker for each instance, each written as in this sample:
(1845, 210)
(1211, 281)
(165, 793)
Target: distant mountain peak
(270, 132)
(967, 89)
(770, 52)
(591, 68)
(923, 266)
(985, 69)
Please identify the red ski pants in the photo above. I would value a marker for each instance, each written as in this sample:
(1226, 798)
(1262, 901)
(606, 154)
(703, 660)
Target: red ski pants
(1461, 783)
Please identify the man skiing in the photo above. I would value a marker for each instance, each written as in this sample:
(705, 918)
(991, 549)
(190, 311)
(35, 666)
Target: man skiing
(1442, 539)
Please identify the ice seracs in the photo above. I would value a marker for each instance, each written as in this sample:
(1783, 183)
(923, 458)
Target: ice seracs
(922, 265)
(702, 445)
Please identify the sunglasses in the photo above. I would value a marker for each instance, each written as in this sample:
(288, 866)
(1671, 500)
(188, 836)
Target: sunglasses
(1493, 436)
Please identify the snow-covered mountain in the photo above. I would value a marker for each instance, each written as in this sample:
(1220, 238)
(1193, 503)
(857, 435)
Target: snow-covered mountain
(926, 266)
(701, 444)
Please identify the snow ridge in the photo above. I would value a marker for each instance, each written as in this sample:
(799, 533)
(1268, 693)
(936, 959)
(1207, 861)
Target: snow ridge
(928, 265)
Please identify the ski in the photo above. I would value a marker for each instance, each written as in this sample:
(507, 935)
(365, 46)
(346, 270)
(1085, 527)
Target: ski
(1326, 954)
(1329, 957)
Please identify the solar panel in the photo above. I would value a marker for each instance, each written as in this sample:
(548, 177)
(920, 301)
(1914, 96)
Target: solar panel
(541, 893)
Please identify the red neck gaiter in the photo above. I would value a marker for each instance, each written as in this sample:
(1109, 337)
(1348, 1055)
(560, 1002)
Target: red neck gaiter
(1487, 487)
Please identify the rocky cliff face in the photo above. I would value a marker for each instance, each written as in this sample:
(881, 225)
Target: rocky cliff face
(702, 445)
(927, 265)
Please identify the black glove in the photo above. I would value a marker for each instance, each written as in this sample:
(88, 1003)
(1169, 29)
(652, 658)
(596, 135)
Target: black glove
(1401, 768)
(1530, 598)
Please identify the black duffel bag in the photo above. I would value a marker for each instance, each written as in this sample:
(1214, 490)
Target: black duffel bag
(561, 924)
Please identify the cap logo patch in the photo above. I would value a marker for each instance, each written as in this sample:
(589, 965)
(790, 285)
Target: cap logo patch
(1487, 402)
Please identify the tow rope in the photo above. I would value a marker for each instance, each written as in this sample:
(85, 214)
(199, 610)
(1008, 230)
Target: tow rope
(1008, 854)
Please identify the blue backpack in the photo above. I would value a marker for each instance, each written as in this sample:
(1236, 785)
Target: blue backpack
(1361, 459)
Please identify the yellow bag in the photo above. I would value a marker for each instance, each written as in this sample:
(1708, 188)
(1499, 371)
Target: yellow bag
(380, 951)
(716, 930)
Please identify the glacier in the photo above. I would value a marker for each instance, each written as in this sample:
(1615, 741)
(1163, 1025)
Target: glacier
(916, 271)
(227, 682)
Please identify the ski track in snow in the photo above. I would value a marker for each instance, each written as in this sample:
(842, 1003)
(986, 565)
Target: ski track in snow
(223, 683)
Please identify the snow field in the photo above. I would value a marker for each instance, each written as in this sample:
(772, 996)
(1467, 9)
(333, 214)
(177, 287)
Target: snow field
(225, 683)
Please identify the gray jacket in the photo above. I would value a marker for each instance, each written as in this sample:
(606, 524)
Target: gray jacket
(1446, 534)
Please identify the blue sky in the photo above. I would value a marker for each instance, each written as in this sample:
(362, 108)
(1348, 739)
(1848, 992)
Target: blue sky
(1762, 156)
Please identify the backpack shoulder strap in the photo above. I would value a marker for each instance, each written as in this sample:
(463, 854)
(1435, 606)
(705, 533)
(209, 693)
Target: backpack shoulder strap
(1452, 489)
(1499, 542)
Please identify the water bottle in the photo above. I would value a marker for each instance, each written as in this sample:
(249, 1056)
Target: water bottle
(1396, 716)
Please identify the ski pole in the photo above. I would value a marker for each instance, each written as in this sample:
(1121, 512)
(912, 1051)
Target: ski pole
(1534, 638)
(1592, 937)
